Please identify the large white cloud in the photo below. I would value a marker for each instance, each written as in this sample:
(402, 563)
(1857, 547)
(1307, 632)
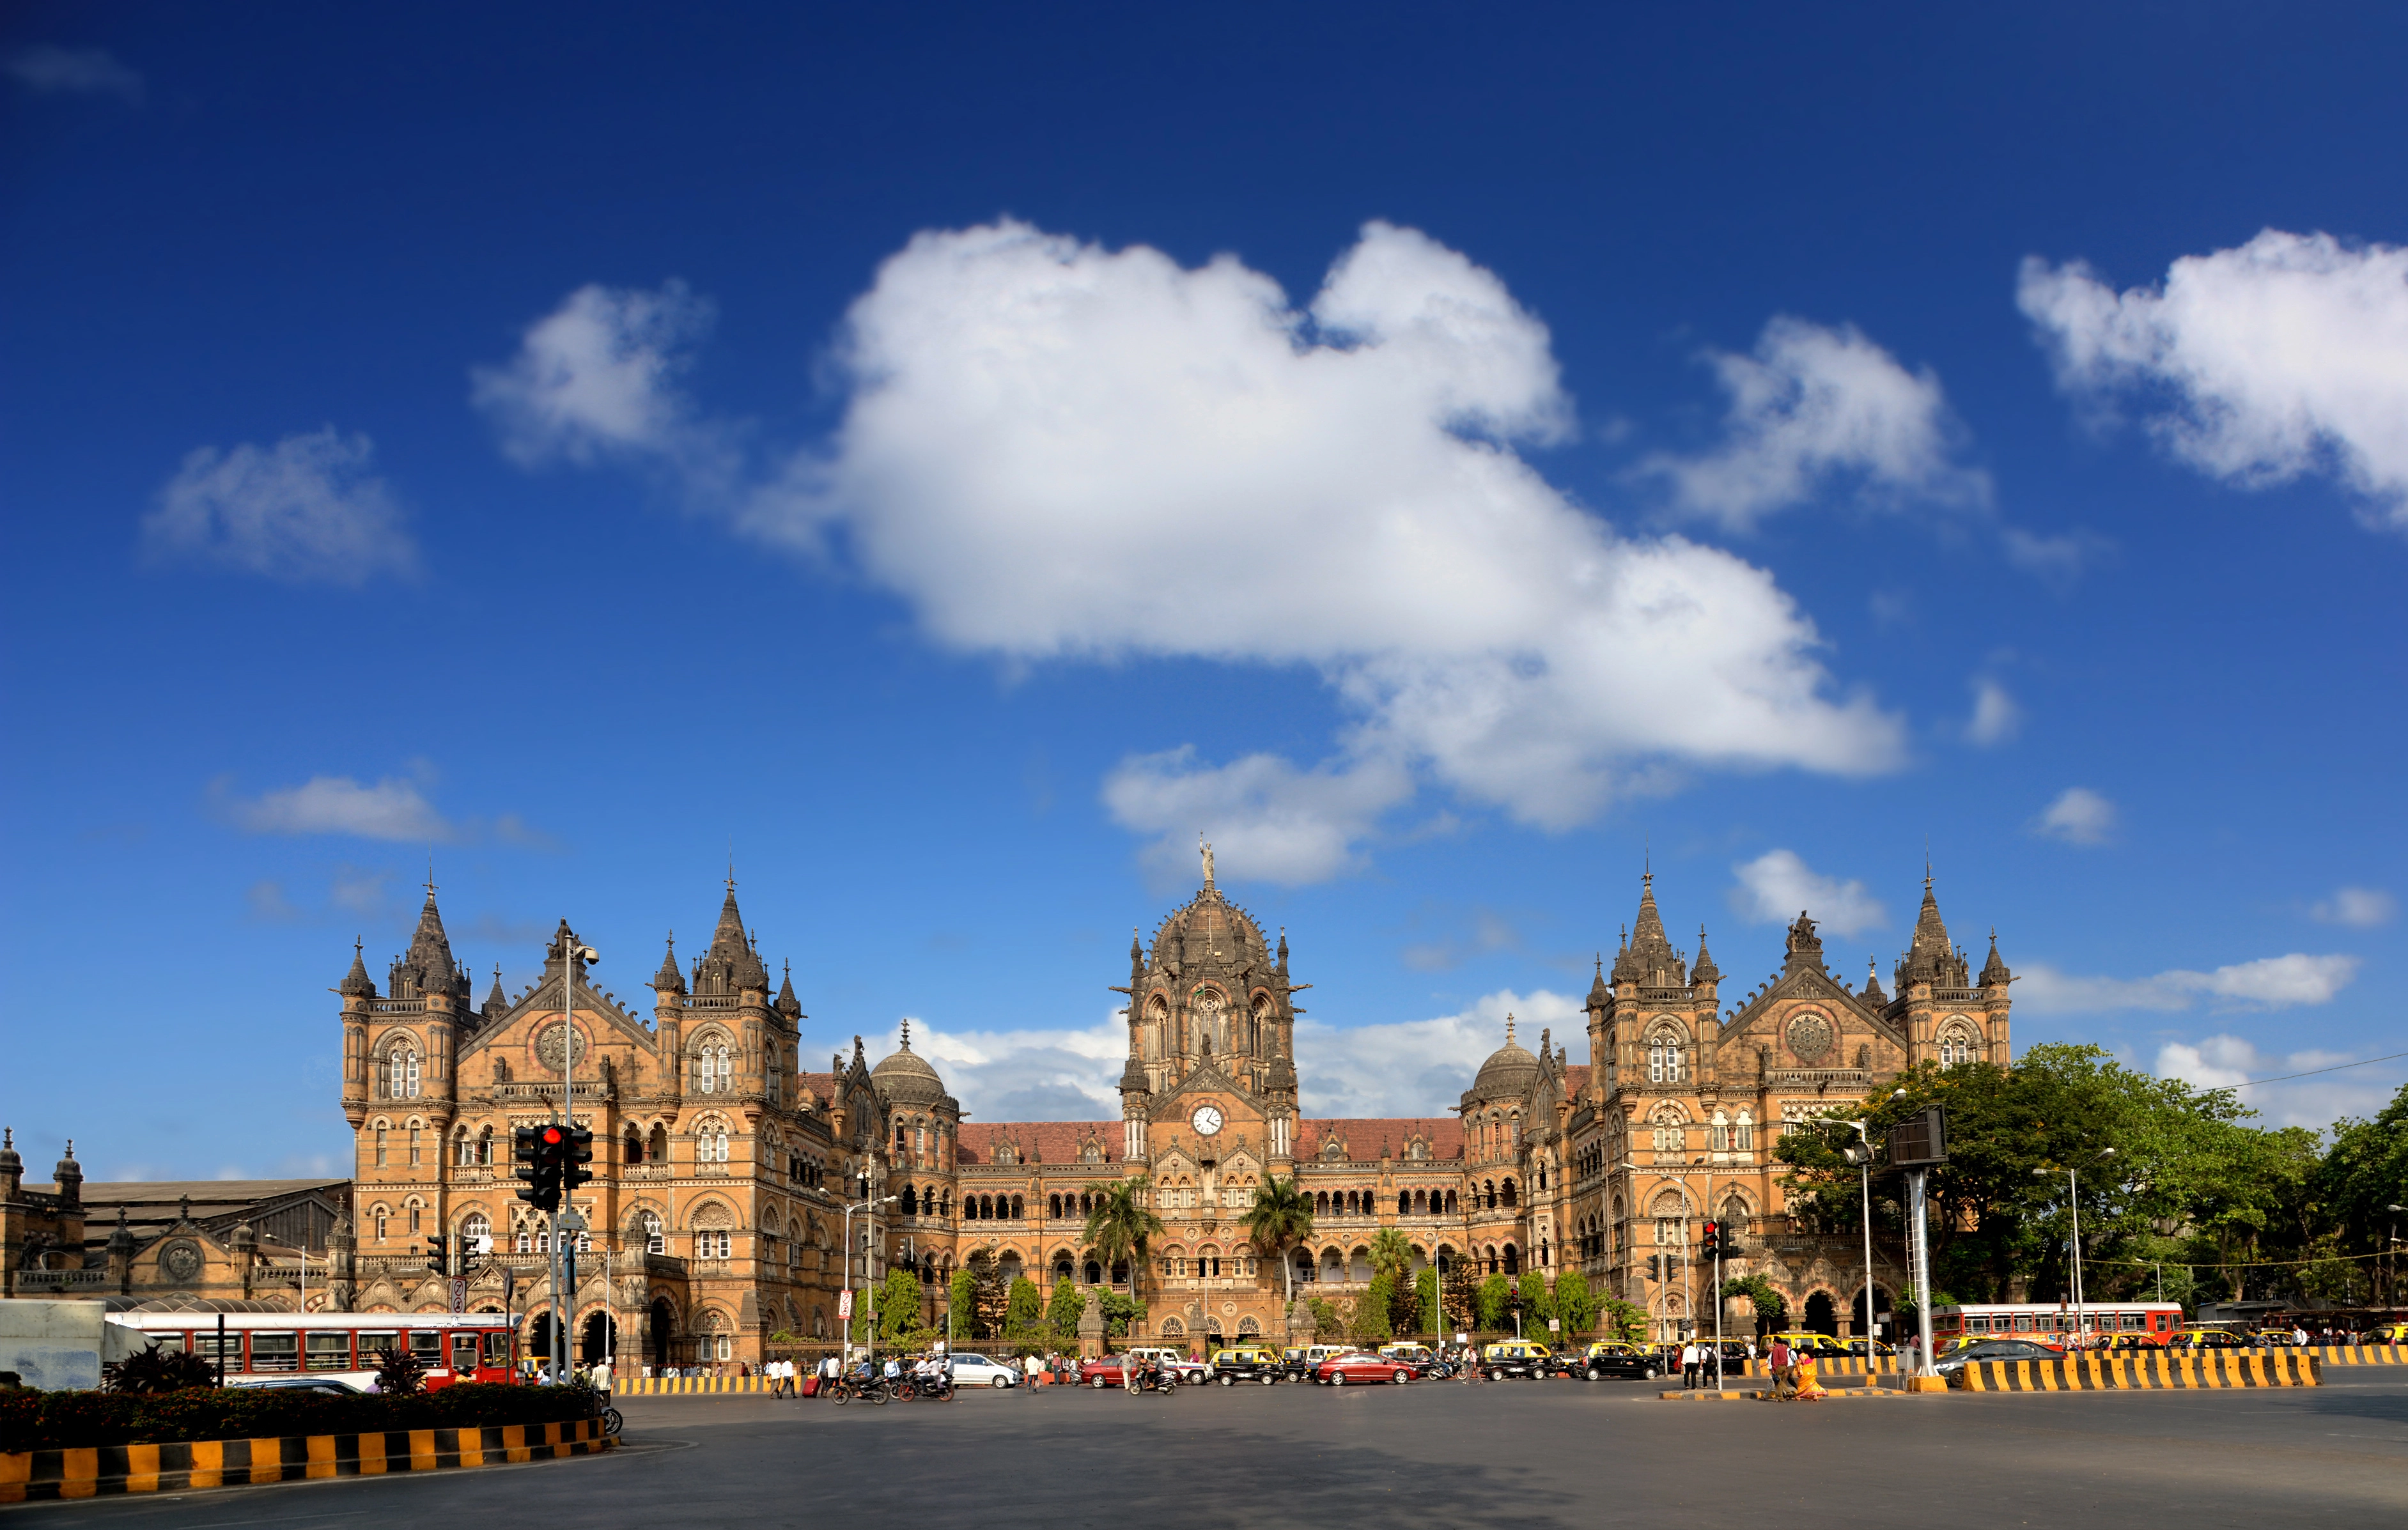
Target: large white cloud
(1776, 886)
(2272, 982)
(391, 808)
(1813, 405)
(1052, 450)
(2077, 816)
(2230, 1062)
(307, 510)
(2284, 356)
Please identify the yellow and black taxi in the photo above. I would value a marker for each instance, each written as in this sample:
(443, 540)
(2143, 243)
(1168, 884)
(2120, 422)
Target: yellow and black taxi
(1301, 1361)
(1419, 1356)
(2389, 1333)
(1817, 1345)
(1523, 1357)
(2193, 1341)
(1616, 1357)
(1247, 1363)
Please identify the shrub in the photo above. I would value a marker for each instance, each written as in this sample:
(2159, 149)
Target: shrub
(157, 1370)
(399, 1373)
(49, 1421)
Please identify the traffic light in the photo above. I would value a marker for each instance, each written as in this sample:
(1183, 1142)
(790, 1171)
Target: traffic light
(1710, 1242)
(541, 1153)
(438, 1256)
(575, 1153)
(1654, 1266)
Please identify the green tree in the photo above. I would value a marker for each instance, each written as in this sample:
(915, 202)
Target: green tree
(1280, 1220)
(1461, 1288)
(1121, 1226)
(990, 1295)
(1624, 1321)
(1575, 1304)
(1119, 1312)
(1392, 1254)
(1770, 1306)
(1368, 1323)
(1494, 1293)
(1024, 1308)
(898, 1306)
(1329, 1324)
(1426, 1297)
(1066, 1309)
(1536, 1305)
(961, 1297)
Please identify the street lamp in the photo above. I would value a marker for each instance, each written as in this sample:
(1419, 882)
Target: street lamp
(2074, 1202)
(1862, 1156)
(869, 1207)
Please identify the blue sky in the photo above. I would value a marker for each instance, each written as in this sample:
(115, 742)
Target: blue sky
(948, 460)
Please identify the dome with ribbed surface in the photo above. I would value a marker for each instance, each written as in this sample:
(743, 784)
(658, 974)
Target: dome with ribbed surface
(905, 1078)
(1509, 1071)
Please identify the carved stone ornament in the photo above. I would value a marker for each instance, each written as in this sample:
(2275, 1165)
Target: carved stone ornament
(547, 1046)
(1810, 1037)
(180, 1261)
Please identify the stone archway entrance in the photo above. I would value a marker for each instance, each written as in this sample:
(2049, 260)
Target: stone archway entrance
(599, 1341)
(538, 1342)
(660, 1324)
(1822, 1316)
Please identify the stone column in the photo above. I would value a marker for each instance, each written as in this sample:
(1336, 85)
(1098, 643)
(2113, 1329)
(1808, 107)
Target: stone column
(1091, 1325)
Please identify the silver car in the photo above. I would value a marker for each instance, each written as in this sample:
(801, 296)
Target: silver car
(977, 1370)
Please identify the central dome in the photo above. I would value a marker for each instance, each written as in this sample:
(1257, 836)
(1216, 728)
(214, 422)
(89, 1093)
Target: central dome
(1207, 925)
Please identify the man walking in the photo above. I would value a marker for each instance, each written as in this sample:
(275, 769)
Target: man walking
(1688, 1366)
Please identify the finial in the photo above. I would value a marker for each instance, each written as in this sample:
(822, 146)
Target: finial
(1600, 963)
(1204, 847)
(906, 1034)
(1509, 1027)
(430, 879)
(1647, 857)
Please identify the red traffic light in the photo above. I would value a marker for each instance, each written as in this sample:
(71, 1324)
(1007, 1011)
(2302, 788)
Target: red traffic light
(552, 1136)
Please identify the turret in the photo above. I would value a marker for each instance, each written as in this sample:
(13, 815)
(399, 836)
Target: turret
(69, 1175)
(12, 1167)
(358, 991)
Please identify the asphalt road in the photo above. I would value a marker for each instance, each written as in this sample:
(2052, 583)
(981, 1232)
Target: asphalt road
(1432, 1454)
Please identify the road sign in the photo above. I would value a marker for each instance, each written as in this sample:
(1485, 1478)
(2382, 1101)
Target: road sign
(1555, 1325)
(459, 1294)
(844, 1307)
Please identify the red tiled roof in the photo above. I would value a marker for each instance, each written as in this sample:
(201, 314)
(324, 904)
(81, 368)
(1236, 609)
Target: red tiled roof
(1050, 1141)
(820, 1086)
(1365, 1135)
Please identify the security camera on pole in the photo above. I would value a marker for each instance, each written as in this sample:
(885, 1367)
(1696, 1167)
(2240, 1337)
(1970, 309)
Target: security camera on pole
(1917, 1145)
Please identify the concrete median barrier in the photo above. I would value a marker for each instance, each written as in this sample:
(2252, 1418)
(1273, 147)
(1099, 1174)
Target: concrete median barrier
(2143, 1372)
(95, 1471)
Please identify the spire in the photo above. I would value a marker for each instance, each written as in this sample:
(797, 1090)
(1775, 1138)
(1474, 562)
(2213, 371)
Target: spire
(1994, 971)
(1703, 970)
(731, 965)
(427, 966)
(1652, 959)
(668, 979)
(1872, 993)
(788, 1006)
(357, 984)
(497, 1002)
(907, 1033)
(1283, 951)
(1509, 1027)
(1931, 952)
(1597, 988)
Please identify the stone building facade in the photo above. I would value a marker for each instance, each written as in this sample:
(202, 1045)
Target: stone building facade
(724, 1169)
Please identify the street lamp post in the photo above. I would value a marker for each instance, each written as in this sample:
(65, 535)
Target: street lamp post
(2074, 1202)
(1863, 1154)
(570, 954)
(868, 1207)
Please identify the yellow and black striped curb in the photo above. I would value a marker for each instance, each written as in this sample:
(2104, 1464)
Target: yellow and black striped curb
(2356, 1354)
(1855, 1364)
(96, 1470)
(2143, 1372)
(680, 1386)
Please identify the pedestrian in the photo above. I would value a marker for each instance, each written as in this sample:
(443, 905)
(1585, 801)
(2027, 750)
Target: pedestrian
(1031, 1367)
(1777, 1358)
(1688, 1366)
(1128, 1373)
(602, 1376)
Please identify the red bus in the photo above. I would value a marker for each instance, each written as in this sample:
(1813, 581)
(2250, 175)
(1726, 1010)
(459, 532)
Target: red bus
(338, 1346)
(2055, 1324)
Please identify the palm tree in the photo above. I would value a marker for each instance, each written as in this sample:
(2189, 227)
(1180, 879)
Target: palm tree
(1121, 1224)
(1280, 1219)
(1392, 1255)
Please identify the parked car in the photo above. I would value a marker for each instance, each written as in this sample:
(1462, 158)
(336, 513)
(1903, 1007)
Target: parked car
(2195, 1339)
(1993, 1348)
(977, 1370)
(294, 1383)
(1856, 1346)
(1419, 1356)
(1612, 1357)
(1248, 1362)
(1523, 1357)
(1302, 1362)
(1817, 1345)
(1354, 1368)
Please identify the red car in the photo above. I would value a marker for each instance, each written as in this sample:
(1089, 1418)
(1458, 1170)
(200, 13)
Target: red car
(1102, 1372)
(1355, 1368)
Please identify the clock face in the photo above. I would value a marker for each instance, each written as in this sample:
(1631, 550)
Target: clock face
(1207, 1120)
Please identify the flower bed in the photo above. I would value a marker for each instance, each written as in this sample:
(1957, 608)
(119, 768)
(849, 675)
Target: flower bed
(50, 1420)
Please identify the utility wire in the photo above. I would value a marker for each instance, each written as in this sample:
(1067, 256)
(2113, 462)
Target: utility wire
(2282, 1078)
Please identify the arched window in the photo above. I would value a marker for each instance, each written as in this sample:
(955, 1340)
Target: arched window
(463, 1152)
(1019, 1209)
(714, 1069)
(380, 1144)
(414, 1130)
(1404, 1203)
(1510, 1199)
(380, 1215)
(1718, 1134)
(1669, 1131)
(1452, 1205)
(485, 1148)
(1664, 1056)
(415, 1208)
(657, 1150)
(649, 1230)
(1744, 1134)
(1955, 1046)
(908, 1199)
(631, 1147)
(475, 1229)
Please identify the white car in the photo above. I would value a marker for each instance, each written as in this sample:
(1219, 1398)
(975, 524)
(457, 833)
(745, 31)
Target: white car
(977, 1370)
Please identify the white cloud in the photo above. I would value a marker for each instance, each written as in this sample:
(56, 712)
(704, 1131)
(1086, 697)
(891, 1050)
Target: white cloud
(1036, 1074)
(305, 511)
(2079, 816)
(1055, 450)
(1420, 1067)
(48, 70)
(1996, 717)
(1774, 886)
(2360, 907)
(1813, 405)
(2285, 356)
(2273, 982)
(1266, 820)
(393, 809)
(595, 378)
(1487, 932)
(2225, 1061)
(2059, 561)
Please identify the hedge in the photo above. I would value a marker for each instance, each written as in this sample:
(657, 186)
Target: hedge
(50, 1420)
